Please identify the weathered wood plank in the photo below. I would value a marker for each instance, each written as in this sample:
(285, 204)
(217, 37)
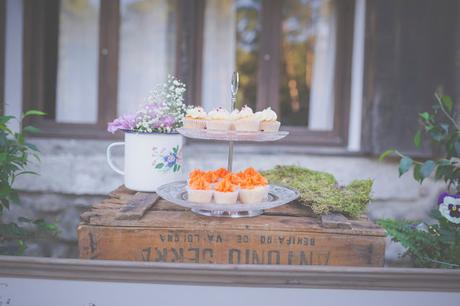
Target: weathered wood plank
(274, 276)
(229, 247)
(335, 221)
(126, 226)
(186, 219)
(137, 206)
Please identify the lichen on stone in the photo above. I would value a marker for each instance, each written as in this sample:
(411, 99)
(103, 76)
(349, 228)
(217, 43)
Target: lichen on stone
(320, 191)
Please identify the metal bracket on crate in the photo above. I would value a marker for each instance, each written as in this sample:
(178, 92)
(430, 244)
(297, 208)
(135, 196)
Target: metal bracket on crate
(234, 89)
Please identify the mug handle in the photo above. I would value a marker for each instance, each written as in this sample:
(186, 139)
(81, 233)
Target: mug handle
(109, 157)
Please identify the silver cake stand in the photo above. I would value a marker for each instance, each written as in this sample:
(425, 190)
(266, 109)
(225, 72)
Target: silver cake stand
(278, 195)
(176, 193)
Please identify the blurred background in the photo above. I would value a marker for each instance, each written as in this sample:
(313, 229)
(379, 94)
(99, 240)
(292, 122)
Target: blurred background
(347, 78)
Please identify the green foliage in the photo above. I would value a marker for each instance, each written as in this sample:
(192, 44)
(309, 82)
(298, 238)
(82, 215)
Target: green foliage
(15, 155)
(319, 190)
(437, 244)
(441, 128)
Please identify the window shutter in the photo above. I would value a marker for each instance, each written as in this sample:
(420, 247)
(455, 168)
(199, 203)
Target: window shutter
(410, 52)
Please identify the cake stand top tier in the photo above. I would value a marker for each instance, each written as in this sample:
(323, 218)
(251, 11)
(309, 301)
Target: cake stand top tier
(232, 135)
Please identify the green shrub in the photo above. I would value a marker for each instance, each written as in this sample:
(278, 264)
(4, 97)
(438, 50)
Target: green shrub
(15, 155)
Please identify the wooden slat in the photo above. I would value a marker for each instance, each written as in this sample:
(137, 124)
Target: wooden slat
(325, 277)
(335, 221)
(188, 220)
(137, 206)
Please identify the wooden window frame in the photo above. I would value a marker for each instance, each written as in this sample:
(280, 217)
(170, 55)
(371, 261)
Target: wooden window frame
(188, 65)
(38, 69)
(269, 71)
(2, 54)
(189, 61)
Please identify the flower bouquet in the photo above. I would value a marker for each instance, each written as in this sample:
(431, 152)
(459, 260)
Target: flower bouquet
(153, 148)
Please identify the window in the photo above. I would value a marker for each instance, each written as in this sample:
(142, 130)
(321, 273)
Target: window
(292, 55)
(95, 59)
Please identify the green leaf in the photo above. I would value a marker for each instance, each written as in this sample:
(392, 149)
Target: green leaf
(444, 127)
(14, 197)
(159, 166)
(418, 139)
(45, 226)
(404, 165)
(457, 147)
(31, 129)
(386, 153)
(34, 113)
(24, 219)
(443, 162)
(427, 168)
(425, 116)
(20, 138)
(31, 146)
(5, 203)
(447, 103)
(436, 134)
(417, 175)
(5, 119)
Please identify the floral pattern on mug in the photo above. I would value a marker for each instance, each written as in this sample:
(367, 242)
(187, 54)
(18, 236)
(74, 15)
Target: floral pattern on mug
(166, 161)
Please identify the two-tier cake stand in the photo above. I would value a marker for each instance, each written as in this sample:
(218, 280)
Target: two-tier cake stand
(278, 195)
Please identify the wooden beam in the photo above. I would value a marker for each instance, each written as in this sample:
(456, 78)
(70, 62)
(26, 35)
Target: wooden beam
(189, 47)
(109, 25)
(2, 54)
(323, 277)
(137, 206)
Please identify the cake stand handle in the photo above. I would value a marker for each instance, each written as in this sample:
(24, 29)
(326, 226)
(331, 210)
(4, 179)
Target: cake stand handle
(230, 156)
(234, 89)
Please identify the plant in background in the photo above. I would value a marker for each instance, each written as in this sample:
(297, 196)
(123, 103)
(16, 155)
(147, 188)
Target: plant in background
(436, 244)
(163, 111)
(15, 155)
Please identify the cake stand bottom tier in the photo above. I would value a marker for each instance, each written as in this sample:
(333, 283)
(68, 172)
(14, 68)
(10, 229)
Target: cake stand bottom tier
(228, 213)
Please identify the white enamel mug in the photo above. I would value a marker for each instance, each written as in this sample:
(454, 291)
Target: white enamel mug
(151, 160)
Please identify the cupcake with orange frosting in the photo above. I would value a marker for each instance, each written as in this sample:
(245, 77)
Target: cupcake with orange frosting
(253, 187)
(195, 118)
(225, 192)
(210, 177)
(234, 179)
(195, 174)
(221, 173)
(199, 190)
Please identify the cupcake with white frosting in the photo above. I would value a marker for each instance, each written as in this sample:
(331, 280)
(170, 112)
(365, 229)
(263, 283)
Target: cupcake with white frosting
(219, 119)
(246, 121)
(195, 118)
(268, 120)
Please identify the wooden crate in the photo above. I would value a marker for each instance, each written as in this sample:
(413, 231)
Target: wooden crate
(288, 235)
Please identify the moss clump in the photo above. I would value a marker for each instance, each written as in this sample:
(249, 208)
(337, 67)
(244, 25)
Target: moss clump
(319, 190)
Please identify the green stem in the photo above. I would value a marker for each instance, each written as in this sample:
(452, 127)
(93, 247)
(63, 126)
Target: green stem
(402, 156)
(438, 99)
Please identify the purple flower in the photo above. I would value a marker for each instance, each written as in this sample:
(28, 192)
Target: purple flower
(170, 159)
(167, 121)
(124, 122)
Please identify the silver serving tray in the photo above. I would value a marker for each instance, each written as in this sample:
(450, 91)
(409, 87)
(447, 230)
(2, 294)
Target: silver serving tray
(232, 135)
(176, 193)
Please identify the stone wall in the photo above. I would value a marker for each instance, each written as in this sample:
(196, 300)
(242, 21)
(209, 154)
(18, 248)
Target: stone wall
(74, 174)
